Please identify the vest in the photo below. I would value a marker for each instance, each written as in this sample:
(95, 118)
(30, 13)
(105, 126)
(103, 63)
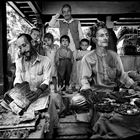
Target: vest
(73, 26)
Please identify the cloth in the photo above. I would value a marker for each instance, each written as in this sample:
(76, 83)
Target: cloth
(104, 70)
(112, 40)
(63, 53)
(115, 126)
(36, 73)
(79, 55)
(50, 52)
(55, 23)
(64, 70)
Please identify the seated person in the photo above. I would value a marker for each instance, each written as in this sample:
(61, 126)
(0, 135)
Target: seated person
(106, 68)
(103, 65)
(36, 70)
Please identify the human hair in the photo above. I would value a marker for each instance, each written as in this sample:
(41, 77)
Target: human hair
(100, 25)
(94, 29)
(66, 5)
(34, 29)
(66, 37)
(28, 37)
(84, 40)
(49, 35)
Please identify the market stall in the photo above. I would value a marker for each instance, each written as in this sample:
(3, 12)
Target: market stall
(37, 121)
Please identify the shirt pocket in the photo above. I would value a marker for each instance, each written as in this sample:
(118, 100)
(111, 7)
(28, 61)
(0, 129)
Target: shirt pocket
(40, 71)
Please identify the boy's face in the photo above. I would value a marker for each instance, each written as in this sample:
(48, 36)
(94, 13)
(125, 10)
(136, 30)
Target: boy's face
(65, 42)
(102, 37)
(35, 35)
(48, 41)
(84, 45)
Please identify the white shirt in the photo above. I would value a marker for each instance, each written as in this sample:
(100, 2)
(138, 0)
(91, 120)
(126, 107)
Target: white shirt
(36, 73)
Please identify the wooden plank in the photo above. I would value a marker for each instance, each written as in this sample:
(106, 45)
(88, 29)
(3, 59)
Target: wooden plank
(68, 119)
(68, 129)
(73, 137)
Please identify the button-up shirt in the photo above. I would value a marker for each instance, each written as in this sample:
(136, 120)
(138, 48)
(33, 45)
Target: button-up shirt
(55, 24)
(63, 53)
(35, 73)
(103, 69)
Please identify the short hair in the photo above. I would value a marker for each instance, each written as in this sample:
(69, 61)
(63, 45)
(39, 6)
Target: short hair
(66, 37)
(84, 40)
(49, 35)
(94, 29)
(29, 38)
(66, 5)
(34, 29)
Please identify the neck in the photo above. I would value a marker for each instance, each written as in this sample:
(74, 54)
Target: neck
(68, 19)
(100, 50)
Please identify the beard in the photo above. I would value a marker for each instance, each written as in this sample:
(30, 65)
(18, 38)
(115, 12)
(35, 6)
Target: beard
(27, 56)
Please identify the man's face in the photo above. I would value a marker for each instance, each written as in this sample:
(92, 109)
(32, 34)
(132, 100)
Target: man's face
(84, 45)
(48, 41)
(24, 46)
(66, 12)
(65, 42)
(102, 37)
(35, 35)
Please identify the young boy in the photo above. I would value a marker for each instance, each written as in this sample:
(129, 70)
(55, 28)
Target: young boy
(36, 42)
(64, 61)
(49, 50)
(84, 44)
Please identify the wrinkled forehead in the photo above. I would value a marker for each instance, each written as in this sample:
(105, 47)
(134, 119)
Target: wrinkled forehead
(22, 40)
(102, 31)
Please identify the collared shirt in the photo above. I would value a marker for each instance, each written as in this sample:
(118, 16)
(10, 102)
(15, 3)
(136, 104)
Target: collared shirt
(55, 24)
(63, 53)
(105, 68)
(36, 73)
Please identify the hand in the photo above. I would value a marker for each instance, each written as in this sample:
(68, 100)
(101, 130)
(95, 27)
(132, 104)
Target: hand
(89, 95)
(137, 88)
(32, 96)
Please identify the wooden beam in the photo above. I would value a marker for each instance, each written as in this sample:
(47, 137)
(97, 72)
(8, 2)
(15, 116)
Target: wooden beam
(93, 7)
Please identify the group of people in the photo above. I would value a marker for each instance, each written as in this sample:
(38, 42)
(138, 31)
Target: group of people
(70, 64)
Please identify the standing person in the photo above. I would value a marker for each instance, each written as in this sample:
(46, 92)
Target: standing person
(37, 43)
(84, 44)
(64, 61)
(50, 50)
(36, 70)
(70, 27)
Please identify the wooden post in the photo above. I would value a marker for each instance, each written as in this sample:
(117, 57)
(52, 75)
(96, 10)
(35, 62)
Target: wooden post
(3, 48)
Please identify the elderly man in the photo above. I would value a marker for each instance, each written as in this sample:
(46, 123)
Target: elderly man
(105, 67)
(36, 70)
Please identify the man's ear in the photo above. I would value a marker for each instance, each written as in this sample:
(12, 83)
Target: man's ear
(94, 39)
(32, 42)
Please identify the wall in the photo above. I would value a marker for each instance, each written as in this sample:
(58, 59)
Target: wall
(130, 62)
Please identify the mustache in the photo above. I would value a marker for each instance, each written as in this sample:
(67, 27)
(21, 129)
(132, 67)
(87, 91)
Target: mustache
(24, 53)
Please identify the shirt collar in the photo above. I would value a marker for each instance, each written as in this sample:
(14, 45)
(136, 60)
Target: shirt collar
(68, 21)
(101, 55)
(38, 59)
